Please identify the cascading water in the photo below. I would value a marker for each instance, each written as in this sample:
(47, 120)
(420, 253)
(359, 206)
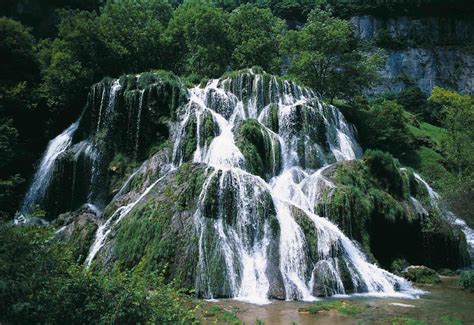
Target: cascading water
(451, 217)
(103, 122)
(44, 173)
(266, 144)
(236, 224)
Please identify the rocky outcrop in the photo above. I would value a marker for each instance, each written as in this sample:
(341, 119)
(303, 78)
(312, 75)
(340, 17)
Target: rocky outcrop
(229, 204)
(427, 52)
(390, 213)
(433, 30)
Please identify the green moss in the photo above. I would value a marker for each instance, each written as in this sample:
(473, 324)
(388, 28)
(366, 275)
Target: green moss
(398, 266)
(211, 198)
(443, 245)
(119, 169)
(345, 275)
(208, 129)
(309, 230)
(193, 180)
(450, 320)
(161, 228)
(372, 205)
(219, 314)
(81, 239)
(341, 307)
(259, 149)
(386, 171)
(349, 208)
(273, 120)
(421, 274)
(190, 141)
(165, 145)
(406, 321)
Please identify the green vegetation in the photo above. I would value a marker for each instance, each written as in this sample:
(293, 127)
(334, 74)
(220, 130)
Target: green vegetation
(339, 306)
(406, 321)
(371, 204)
(467, 280)
(259, 149)
(254, 33)
(432, 135)
(46, 71)
(325, 57)
(161, 228)
(421, 274)
(41, 284)
(223, 315)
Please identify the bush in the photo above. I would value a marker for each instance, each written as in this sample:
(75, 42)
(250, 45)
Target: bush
(388, 128)
(421, 274)
(39, 283)
(467, 280)
(386, 170)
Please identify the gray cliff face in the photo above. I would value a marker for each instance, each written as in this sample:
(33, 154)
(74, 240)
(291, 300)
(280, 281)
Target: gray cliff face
(431, 51)
(435, 30)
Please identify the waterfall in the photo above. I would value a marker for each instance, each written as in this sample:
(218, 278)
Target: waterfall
(44, 173)
(237, 223)
(103, 122)
(266, 144)
(104, 230)
(450, 216)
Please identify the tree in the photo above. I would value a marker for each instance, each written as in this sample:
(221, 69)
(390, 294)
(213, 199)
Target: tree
(254, 34)
(18, 61)
(21, 129)
(294, 11)
(388, 128)
(198, 40)
(458, 119)
(457, 116)
(414, 100)
(71, 63)
(132, 30)
(324, 55)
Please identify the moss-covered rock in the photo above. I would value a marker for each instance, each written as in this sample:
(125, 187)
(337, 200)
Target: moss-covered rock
(123, 118)
(160, 229)
(421, 274)
(78, 228)
(261, 151)
(372, 203)
(310, 233)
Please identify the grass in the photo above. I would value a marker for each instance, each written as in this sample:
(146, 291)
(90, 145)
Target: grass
(225, 315)
(450, 320)
(429, 131)
(425, 158)
(341, 307)
(406, 321)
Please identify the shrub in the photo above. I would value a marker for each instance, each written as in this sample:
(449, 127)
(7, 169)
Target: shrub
(39, 283)
(421, 274)
(467, 280)
(386, 170)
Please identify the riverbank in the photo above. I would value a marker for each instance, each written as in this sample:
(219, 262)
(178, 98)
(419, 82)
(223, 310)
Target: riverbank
(446, 303)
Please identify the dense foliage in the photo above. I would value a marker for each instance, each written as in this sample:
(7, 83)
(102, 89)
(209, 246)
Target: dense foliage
(39, 283)
(325, 56)
(52, 51)
(467, 280)
(45, 79)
